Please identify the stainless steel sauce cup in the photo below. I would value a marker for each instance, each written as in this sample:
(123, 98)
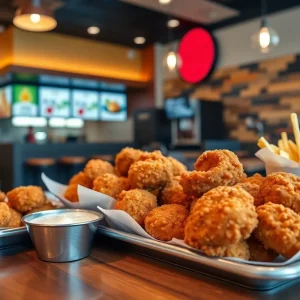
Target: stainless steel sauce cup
(62, 243)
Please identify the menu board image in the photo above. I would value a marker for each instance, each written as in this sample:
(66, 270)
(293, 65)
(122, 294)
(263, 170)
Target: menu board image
(25, 100)
(54, 102)
(85, 104)
(5, 101)
(113, 107)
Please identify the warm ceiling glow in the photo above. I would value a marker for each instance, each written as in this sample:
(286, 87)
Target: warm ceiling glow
(93, 30)
(35, 18)
(139, 40)
(264, 37)
(172, 61)
(164, 2)
(173, 23)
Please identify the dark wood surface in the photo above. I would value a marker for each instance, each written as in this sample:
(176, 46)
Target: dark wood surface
(113, 271)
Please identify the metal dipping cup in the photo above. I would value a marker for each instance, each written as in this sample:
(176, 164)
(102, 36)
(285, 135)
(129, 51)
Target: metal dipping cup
(62, 243)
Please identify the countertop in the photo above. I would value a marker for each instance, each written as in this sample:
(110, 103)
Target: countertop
(113, 271)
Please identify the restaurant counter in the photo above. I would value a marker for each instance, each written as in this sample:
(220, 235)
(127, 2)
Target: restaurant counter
(114, 271)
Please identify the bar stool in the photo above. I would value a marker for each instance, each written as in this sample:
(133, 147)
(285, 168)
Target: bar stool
(71, 165)
(36, 166)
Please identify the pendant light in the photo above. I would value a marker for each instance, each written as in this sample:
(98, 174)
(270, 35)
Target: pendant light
(34, 17)
(266, 38)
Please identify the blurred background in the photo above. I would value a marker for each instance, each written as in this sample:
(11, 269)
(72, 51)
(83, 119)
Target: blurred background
(81, 79)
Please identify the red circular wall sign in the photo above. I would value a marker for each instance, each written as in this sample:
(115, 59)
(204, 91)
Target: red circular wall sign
(197, 52)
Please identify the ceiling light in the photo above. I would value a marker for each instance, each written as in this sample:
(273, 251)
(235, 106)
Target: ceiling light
(139, 40)
(164, 2)
(74, 123)
(173, 23)
(57, 122)
(93, 30)
(29, 121)
(34, 17)
(172, 61)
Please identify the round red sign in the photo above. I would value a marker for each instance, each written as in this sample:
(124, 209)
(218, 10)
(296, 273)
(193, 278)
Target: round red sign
(197, 52)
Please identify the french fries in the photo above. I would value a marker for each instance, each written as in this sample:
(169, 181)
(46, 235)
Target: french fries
(286, 148)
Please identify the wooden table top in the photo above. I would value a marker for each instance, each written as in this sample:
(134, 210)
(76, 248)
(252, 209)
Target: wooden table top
(113, 271)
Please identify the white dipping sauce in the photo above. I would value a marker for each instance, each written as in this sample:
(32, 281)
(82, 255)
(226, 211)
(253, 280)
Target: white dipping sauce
(66, 218)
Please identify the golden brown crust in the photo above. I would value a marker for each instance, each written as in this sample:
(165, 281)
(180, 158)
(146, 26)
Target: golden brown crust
(173, 193)
(71, 193)
(213, 168)
(239, 250)
(137, 203)
(16, 219)
(97, 167)
(281, 188)
(5, 214)
(166, 222)
(255, 179)
(278, 229)
(253, 190)
(111, 185)
(177, 167)
(193, 202)
(221, 217)
(46, 206)
(26, 198)
(81, 179)
(124, 159)
(2, 196)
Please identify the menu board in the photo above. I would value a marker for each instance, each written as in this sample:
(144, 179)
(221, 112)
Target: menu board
(113, 106)
(25, 100)
(5, 101)
(54, 102)
(85, 104)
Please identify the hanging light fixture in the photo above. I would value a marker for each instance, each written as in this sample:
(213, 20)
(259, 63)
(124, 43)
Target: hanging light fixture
(266, 38)
(164, 2)
(34, 17)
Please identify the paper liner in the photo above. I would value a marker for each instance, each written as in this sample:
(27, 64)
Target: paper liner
(276, 163)
(88, 199)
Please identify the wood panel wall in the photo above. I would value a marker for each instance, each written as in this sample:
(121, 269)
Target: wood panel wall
(267, 91)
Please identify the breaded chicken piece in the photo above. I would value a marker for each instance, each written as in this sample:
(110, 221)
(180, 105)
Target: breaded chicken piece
(97, 167)
(46, 206)
(239, 250)
(26, 198)
(137, 203)
(2, 196)
(150, 174)
(177, 167)
(253, 190)
(81, 179)
(173, 193)
(193, 202)
(71, 193)
(255, 179)
(111, 185)
(213, 168)
(221, 217)
(281, 188)
(154, 155)
(124, 159)
(258, 252)
(167, 222)
(278, 229)
(5, 214)
(16, 219)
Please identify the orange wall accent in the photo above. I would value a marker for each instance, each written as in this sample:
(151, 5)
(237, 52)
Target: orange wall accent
(6, 48)
(56, 52)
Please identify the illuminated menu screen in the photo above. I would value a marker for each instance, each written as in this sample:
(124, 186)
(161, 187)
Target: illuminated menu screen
(5, 101)
(85, 104)
(54, 102)
(113, 106)
(25, 100)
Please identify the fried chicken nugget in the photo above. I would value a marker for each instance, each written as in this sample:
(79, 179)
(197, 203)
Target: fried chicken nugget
(25, 198)
(137, 203)
(213, 168)
(193, 202)
(111, 185)
(5, 214)
(177, 167)
(255, 179)
(124, 159)
(2, 196)
(97, 167)
(258, 252)
(81, 179)
(239, 250)
(150, 174)
(278, 229)
(281, 188)
(16, 219)
(166, 222)
(221, 217)
(173, 193)
(46, 206)
(71, 193)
